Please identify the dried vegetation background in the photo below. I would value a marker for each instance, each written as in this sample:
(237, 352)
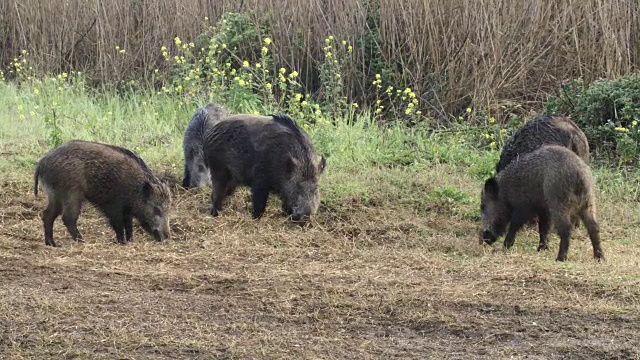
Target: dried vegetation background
(454, 54)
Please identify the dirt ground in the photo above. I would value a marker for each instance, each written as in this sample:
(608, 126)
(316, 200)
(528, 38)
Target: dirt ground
(360, 281)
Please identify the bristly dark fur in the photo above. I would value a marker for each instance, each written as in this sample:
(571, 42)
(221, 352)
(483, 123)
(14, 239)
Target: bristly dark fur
(552, 184)
(268, 154)
(149, 174)
(288, 123)
(545, 129)
(115, 180)
(135, 157)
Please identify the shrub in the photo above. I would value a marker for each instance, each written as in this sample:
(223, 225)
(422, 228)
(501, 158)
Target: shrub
(607, 110)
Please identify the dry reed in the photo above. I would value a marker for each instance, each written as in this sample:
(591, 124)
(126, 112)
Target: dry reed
(454, 54)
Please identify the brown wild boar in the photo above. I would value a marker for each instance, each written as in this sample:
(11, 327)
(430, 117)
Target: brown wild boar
(551, 130)
(196, 172)
(267, 154)
(552, 183)
(113, 179)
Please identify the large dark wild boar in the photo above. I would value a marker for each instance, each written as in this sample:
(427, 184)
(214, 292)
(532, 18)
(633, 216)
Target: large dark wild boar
(267, 154)
(111, 178)
(552, 183)
(196, 173)
(550, 130)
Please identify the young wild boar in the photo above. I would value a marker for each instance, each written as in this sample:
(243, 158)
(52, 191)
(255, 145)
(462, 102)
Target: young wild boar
(552, 183)
(196, 172)
(552, 130)
(112, 178)
(267, 154)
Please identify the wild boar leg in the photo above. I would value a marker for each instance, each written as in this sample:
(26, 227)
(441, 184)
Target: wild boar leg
(220, 179)
(116, 220)
(259, 197)
(49, 215)
(589, 220)
(128, 225)
(544, 225)
(70, 216)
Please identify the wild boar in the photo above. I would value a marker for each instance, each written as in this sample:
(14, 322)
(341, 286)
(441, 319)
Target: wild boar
(267, 154)
(551, 130)
(113, 179)
(552, 183)
(196, 172)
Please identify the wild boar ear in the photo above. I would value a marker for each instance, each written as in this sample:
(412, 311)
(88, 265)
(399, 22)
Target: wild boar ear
(323, 163)
(147, 189)
(491, 186)
(292, 164)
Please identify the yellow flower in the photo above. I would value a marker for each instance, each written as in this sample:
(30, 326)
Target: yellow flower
(268, 86)
(330, 37)
(350, 48)
(282, 70)
(206, 18)
(117, 47)
(241, 82)
(36, 91)
(344, 42)
(155, 71)
(418, 112)
(328, 54)
(267, 41)
(245, 63)
(224, 46)
(304, 103)
(22, 117)
(177, 41)
(378, 76)
(469, 110)
(258, 66)
(492, 120)
(32, 113)
(122, 51)
(354, 105)
(264, 50)
(293, 74)
(163, 48)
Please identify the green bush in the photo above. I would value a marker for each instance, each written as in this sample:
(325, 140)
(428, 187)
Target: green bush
(607, 110)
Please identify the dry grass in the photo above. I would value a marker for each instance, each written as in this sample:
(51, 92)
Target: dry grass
(453, 53)
(379, 279)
